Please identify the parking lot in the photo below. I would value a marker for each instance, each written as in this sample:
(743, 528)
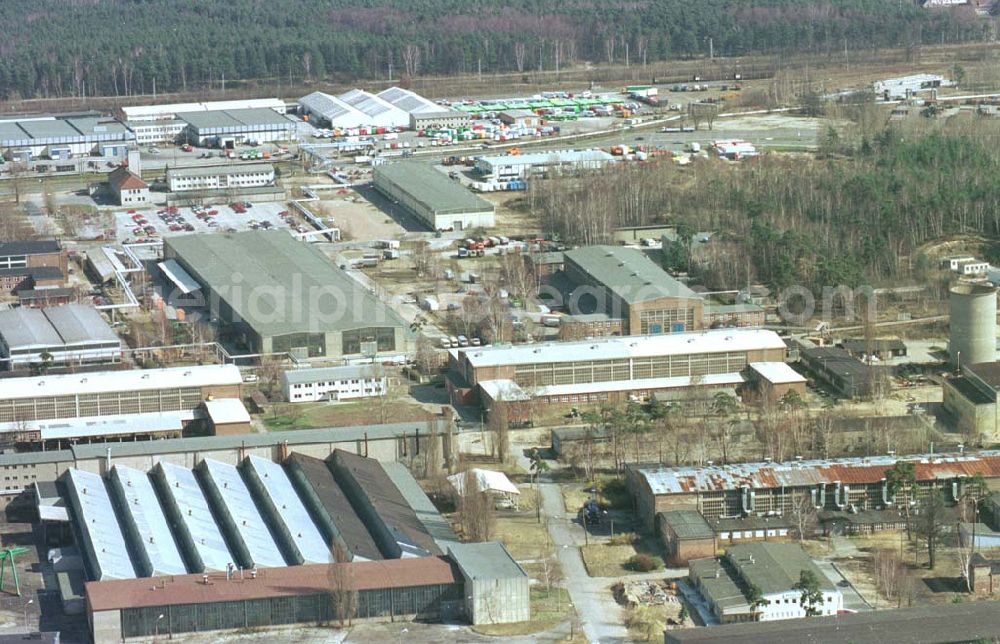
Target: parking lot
(154, 223)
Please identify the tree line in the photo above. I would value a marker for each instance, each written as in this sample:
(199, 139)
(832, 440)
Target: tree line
(855, 216)
(59, 48)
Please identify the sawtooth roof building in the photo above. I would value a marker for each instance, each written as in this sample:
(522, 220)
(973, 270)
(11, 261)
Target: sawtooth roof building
(245, 546)
(774, 489)
(281, 295)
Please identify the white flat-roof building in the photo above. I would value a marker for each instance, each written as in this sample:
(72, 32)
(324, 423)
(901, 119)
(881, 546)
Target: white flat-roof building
(520, 166)
(161, 131)
(69, 334)
(903, 86)
(62, 138)
(614, 368)
(227, 128)
(334, 383)
(123, 403)
(170, 111)
(220, 177)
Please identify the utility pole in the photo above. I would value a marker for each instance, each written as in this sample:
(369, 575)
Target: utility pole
(223, 83)
(480, 68)
(711, 48)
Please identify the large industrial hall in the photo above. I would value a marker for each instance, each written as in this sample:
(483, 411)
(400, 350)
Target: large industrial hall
(252, 545)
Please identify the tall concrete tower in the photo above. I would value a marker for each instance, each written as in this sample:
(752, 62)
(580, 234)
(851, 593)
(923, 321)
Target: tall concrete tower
(973, 325)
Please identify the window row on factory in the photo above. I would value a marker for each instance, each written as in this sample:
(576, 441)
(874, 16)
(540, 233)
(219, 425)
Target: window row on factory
(587, 371)
(13, 261)
(656, 321)
(154, 621)
(103, 404)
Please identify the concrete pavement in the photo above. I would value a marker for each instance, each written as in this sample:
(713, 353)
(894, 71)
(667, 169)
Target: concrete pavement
(599, 614)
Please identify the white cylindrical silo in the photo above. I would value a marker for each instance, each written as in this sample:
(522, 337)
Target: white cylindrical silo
(973, 324)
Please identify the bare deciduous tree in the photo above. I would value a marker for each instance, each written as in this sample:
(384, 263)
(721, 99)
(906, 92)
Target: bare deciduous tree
(476, 514)
(343, 593)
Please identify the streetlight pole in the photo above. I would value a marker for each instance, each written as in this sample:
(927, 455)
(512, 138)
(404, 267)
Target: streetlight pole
(156, 629)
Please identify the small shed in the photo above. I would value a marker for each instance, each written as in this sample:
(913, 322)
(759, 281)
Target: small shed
(520, 118)
(227, 416)
(686, 535)
(774, 380)
(496, 484)
(496, 587)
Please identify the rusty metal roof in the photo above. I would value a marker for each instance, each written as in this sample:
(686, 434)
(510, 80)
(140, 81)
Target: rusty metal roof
(684, 480)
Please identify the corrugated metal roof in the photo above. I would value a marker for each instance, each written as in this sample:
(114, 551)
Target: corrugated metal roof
(274, 261)
(150, 532)
(95, 518)
(236, 502)
(55, 327)
(305, 537)
(196, 525)
(272, 582)
(339, 113)
(686, 480)
(409, 101)
(80, 324)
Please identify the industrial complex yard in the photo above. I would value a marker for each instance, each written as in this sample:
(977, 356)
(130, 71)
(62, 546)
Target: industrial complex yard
(650, 360)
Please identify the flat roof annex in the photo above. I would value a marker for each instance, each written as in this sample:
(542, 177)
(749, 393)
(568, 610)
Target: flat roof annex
(487, 561)
(778, 373)
(612, 348)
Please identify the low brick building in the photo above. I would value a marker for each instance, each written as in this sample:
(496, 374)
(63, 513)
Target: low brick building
(686, 535)
(984, 574)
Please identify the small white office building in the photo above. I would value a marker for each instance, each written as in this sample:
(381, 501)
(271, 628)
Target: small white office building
(334, 383)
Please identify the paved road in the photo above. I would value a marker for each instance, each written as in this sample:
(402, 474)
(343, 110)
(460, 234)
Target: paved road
(599, 615)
